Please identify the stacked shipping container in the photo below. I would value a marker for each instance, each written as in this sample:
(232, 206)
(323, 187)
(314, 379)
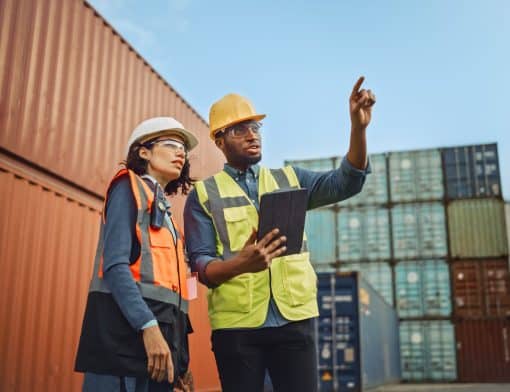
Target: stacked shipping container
(72, 91)
(428, 232)
(357, 335)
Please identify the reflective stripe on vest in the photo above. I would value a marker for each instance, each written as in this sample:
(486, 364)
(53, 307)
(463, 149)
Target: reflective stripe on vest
(160, 270)
(242, 302)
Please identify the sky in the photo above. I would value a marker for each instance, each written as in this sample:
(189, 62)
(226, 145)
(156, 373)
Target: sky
(439, 68)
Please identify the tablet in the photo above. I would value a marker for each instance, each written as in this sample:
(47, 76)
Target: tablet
(285, 210)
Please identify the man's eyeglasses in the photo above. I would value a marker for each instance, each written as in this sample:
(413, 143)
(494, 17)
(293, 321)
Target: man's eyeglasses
(171, 144)
(242, 129)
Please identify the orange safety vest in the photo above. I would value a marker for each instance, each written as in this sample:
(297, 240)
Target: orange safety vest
(108, 344)
(160, 270)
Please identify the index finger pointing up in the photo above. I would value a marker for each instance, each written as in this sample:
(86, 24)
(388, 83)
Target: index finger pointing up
(356, 87)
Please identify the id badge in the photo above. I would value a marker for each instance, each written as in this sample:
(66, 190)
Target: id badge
(192, 285)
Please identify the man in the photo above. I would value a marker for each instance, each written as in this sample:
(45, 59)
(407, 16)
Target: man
(261, 306)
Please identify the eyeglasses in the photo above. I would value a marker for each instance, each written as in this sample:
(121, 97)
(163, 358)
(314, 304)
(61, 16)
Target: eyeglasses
(172, 145)
(242, 129)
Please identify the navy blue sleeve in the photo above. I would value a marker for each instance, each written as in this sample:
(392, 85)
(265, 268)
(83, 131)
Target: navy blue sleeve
(121, 247)
(200, 236)
(332, 186)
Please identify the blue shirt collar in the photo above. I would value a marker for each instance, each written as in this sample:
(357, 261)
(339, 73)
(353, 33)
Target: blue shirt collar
(234, 173)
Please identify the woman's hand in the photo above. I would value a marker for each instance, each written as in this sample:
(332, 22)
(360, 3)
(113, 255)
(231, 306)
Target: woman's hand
(159, 357)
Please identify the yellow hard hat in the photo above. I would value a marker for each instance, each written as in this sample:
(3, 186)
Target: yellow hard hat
(230, 110)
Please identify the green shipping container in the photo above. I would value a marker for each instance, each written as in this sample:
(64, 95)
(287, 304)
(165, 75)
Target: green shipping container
(477, 228)
(423, 288)
(378, 274)
(375, 189)
(416, 175)
(322, 164)
(427, 351)
(419, 230)
(363, 234)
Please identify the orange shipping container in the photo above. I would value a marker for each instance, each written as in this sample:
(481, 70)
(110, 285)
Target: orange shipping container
(72, 90)
(48, 235)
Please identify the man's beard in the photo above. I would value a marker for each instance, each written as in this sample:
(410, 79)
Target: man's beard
(236, 159)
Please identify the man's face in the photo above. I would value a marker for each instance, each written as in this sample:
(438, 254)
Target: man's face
(241, 144)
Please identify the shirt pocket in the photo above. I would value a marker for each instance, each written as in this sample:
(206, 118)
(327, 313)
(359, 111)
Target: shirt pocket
(234, 295)
(238, 227)
(161, 238)
(299, 279)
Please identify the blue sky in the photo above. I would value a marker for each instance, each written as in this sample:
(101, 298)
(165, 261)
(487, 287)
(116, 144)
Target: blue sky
(440, 69)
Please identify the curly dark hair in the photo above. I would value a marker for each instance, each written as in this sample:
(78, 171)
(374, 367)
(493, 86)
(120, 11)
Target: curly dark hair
(139, 166)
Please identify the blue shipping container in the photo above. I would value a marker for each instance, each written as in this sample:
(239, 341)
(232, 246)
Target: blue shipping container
(320, 229)
(428, 351)
(356, 334)
(472, 171)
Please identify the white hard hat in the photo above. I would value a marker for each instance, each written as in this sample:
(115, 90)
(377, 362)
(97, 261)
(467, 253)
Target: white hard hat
(160, 126)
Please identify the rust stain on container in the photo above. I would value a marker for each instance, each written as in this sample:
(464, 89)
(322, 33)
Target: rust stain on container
(73, 89)
(481, 288)
(483, 350)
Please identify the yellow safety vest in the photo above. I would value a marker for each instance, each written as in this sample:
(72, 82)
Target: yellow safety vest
(242, 302)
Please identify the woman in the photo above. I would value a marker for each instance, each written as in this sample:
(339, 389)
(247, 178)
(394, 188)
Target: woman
(134, 334)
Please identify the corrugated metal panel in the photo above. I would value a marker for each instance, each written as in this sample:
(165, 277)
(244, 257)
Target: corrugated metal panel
(416, 175)
(47, 243)
(320, 228)
(419, 230)
(321, 164)
(378, 274)
(73, 89)
(481, 288)
(357, 340)
(477, 228)
(427, 351)
(483, 350)
(375, 189)
(472, 171)
(61, 226)
(423, 288)
(363, 234)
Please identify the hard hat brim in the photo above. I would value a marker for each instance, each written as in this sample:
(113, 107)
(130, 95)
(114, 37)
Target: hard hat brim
(255, 117)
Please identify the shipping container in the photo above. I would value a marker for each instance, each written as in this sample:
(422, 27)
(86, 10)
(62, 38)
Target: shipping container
(481, 288)
(356, 335)
(483, 350)
(418, 230)
(476, 228)
(472, 171)
(321, 164)
(377, 274)
(73, 90)
(320, 228)
(416, 175)
(363, 234)
(47, 241)
(45, 225)
(427, 351)
(423, 288)
(375, 189)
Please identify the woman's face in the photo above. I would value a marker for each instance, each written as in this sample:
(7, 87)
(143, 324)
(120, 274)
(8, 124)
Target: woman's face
(165, 159)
